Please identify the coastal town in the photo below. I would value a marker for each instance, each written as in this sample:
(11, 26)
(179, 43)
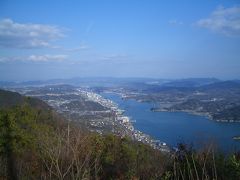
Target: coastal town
(125, 121)
(92, 110)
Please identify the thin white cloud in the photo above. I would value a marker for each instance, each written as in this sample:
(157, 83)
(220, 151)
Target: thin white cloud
(175, 22)
(10, 59)
(16, 35)
(45, 58)
(89, 27)
(35, 58)
(223, 20)
(114, 57)
(82, 46)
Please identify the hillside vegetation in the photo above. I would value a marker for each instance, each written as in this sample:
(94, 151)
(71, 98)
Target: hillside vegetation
(36, 143)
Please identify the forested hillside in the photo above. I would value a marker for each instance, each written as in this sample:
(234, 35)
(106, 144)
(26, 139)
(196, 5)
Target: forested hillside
(36, 143)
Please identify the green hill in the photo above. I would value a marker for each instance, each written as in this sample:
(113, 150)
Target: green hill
(10, 99)
(36, 143)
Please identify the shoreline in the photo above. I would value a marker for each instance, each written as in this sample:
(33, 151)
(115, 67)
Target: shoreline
(136, 134)
(189, 112)
(207, 115)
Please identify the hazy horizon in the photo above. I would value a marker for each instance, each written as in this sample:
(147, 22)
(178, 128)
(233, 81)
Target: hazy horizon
(153, 39)
(96, 78)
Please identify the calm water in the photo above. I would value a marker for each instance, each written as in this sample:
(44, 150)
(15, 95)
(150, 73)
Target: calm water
(175, 127)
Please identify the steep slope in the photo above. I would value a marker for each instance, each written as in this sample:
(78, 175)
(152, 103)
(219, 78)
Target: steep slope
(35, 142)
(9, 99)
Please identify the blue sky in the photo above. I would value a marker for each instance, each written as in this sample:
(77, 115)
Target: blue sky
(119, 38)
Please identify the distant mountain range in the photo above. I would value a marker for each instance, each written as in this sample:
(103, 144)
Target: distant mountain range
(191, 82)
(218, 99)
(108, 81)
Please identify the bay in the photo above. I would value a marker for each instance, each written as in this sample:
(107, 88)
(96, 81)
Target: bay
(179, 127)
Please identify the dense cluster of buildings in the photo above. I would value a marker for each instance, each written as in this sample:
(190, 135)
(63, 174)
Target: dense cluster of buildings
(66, 102)
(91, 96)
(125, 121)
